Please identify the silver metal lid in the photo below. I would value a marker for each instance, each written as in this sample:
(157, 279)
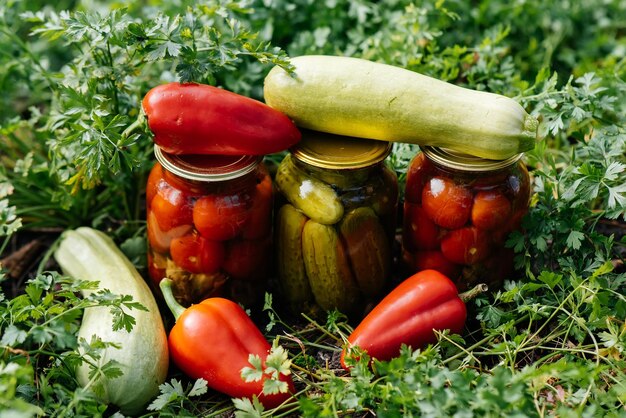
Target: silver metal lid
(207, 167)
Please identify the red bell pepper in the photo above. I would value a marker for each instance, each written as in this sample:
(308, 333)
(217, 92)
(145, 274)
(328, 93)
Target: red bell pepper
(409, 314)
(195, 118)
(212, 340)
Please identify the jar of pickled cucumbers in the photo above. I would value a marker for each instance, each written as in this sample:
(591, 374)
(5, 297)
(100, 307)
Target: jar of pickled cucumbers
(209, 226)
(459, 211)
(335, 223)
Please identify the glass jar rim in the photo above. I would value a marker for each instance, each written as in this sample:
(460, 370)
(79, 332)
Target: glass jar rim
(208, 168)
(465, 162)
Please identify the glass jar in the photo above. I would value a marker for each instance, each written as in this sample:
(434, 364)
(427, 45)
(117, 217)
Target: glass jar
(209, 226)
(335, 223)
(459, 211)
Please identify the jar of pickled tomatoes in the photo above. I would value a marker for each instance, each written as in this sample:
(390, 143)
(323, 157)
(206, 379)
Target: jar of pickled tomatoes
(209, 225)
(459, 211)
(335, 223)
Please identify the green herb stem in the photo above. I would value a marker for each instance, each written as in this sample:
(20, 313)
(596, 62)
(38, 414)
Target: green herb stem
(481, 342)
(322, 329)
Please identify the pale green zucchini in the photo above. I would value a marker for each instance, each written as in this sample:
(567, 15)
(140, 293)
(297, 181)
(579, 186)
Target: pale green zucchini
(88, 254)
(356, 97)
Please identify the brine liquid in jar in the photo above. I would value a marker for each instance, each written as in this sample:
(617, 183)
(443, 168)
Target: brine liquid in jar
(335, 223)
(209, 226)
(458, 213)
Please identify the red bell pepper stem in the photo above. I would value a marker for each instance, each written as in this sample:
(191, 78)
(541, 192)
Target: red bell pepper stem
(141, 120)
(176, 308)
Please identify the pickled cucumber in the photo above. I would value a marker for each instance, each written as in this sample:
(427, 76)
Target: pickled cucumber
(316, 199)
(385, 196)
(380, 193)
(343, 178)
(290, 264)
(368, 249)
(328, 268)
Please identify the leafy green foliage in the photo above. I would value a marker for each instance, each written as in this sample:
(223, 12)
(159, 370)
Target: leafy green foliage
(417, 384)
(247, 408)
(557, 319)
(89, 153)
(276, 364)
(45, 318)
(99, 92)
(574, 192)
(41, 350)
(172, 397)
(9, 222)
(550, 342)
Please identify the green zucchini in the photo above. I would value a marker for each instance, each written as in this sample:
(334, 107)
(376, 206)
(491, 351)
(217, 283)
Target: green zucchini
(88, 254)
(361, 98)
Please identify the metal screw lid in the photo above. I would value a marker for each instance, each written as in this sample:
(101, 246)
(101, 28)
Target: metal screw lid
(464, 162)
(339, 152)
(207, 167)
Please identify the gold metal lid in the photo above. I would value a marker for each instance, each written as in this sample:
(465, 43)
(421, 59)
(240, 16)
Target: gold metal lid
(207, 167)
(339, 152)
(464, 162)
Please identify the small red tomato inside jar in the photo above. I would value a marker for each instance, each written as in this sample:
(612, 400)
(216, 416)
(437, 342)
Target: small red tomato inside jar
(155, 181)
(258, 224)
(221, 217)
(446, 203)
(514, 223)
(156, 267)
(159, 239)
(197, 254)
(490, 209)
(467, 245)
(416, 177)
(435, 260)
(420, 232)
(247, 259)
(171, 208)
